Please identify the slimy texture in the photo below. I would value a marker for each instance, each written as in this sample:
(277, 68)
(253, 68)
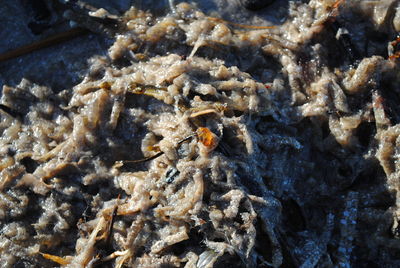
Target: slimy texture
(265, 145)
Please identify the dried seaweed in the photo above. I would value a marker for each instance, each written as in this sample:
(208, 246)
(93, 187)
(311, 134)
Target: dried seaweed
(224, 163)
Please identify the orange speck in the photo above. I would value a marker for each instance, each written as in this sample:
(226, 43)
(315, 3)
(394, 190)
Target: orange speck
(105, 85)
(153, 148)
(378, 102)
(59, 260)
(207, 137)
(395, 42)
(337, 3)
(395, 56)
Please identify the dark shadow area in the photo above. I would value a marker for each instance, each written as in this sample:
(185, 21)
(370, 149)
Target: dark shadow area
(58, 67)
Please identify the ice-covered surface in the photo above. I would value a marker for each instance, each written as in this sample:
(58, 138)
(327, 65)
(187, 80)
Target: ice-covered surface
(278, 146)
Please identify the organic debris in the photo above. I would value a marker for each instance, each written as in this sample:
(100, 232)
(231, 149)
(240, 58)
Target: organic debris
(193, 144)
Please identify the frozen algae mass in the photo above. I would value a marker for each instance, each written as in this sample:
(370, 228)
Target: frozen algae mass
(257, 146)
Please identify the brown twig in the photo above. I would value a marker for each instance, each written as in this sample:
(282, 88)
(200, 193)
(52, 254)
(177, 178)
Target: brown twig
(47, 42)
(122, 162)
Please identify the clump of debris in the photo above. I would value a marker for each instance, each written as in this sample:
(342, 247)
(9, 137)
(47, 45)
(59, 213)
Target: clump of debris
(202, 142)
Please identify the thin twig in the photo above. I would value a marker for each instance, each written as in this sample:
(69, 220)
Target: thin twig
(47, 42)
(122, 162)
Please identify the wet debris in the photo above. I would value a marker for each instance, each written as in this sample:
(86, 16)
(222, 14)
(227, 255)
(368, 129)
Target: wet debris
(292, 164)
